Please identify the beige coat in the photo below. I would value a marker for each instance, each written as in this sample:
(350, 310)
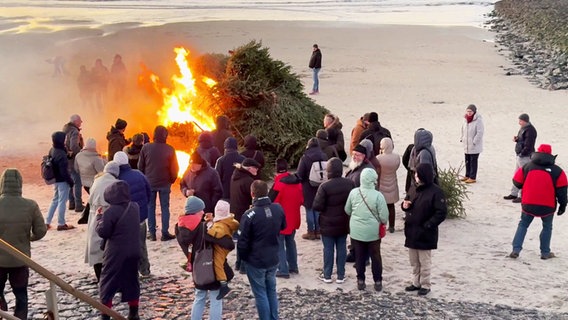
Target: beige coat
(88, 163)
(390, 162)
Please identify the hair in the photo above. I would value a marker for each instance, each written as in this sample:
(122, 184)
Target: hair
(259, 188)
(315, 45)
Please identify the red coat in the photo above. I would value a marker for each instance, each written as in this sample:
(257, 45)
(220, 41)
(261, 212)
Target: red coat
(291, 198)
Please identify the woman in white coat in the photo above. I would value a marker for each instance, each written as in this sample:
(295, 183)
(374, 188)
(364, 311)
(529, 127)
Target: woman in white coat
(472, 139)
(388, 186)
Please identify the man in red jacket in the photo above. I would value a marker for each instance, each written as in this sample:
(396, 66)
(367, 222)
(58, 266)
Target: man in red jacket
(543, 184)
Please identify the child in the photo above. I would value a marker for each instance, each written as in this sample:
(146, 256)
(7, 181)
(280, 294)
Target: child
(224, 224)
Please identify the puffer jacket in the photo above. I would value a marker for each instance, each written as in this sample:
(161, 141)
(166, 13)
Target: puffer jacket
(423, 151)
(472, 135)
(364, 223)
(526, 139)
(139, 186)
(312, 154)
(158, 160)
(73, 139)
(330, 201)
(20, 218)
(60, 161)
(116, 142)
(390, 162)
(89, 163)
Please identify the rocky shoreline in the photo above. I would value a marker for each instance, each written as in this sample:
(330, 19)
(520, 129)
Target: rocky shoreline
(534, 34)
(171, 298)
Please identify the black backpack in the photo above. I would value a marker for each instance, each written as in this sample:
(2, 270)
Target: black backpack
(47, 172)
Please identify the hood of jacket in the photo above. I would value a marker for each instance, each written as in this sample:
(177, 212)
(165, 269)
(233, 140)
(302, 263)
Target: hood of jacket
(205, 140)
(368, 144)
(334, 168)
(222, 123)
(160, 134)
(58, 139)
(240, 173)
(422, 139)
(543, 159)
(290, 178)
(11, 182)
(387, 146)
(117, 193)
(425, 173)
(113, 132)
(312, 143)
(251, 143)
(369, 178)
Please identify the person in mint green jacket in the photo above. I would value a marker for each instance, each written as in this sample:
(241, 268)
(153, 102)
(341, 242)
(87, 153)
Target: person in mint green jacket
(367, 208)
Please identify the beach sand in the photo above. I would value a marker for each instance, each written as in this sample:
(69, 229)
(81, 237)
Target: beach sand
(413, 76)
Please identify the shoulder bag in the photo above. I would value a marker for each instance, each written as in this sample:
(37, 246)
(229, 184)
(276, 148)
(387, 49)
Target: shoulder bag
(203, 270)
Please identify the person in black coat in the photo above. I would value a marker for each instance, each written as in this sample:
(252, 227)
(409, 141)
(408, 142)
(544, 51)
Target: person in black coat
(207, 149)
(119, 228)
(63, 181)
(315, 65)
(225, 165)
(330, 201)
(424, 213)
(202, 181)
(375, 132)
(312, 154)
(252, 150)
(222, 132)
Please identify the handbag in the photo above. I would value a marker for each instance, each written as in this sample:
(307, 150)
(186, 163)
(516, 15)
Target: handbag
(203, 270)
(382, 226)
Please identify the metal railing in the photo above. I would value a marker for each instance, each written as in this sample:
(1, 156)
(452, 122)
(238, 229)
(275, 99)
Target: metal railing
(54, 280)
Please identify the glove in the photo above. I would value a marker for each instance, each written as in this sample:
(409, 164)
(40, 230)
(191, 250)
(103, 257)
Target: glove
(561, 211)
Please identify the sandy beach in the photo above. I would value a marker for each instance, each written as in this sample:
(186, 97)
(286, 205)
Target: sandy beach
(413, 76)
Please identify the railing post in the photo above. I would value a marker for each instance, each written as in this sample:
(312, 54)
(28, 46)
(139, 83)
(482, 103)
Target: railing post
(51, 301)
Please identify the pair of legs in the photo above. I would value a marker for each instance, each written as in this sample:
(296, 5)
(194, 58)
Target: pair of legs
(545, 234)
(421, 263)
(75, 195)
(144, 265)
(471, 165)
(315, 73)
(364, 250)
(392, 216)
(58, 202)
(164, 194)
(18, 278)
(215, 306)
(263, 286)
(334, 246)
(521, 161)
(287, 254)
(312, 219)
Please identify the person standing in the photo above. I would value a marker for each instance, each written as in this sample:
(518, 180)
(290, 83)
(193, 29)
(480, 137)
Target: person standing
(388, 182)
(335, 137)
(159, 164)
(63, 182)
(360, 126)
(116, 139)
(330, 201)
(252, 150)
(315, 65)
(202, 181)
(424, 213)
(133, 150)
(225, 165)
(359, 161)
(20, 223)
(207, 149)
(422, 152)
(543, 184)
(258, 248)
(375, 132)
(222, 132)
(367, 209)
(74, 144)
(524, 146)
(472, 139)
(89, 163)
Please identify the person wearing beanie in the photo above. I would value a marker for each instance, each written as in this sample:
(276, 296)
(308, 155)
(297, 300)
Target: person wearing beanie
(544, 185)
(287, 191)
(472, 139)
(375, 132)
(191, 234)
(524, 147)
(224, 225)
(202, 181)
(225, 165)
(133, 150)
(359, 161)
(89, 163)
(356, 132)
(116, 139)
(207, 149)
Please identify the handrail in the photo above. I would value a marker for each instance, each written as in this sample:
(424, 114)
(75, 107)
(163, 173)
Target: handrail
(58, 281)
(7, 316)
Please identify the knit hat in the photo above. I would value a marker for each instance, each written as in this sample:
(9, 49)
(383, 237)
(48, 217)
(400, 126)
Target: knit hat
(249, 162)
(230, 143)
(281, 165)
(524, 117)
(545, 148)
(472, 107)
(91, 144)
(120, 157)
(222, 210)
(120, 124)
(361, 149)
(373, 117)
(196, 158)
(193, 205)
(113, 168)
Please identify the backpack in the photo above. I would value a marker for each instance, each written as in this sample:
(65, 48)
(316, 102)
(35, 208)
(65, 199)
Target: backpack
(318, 173)
(47, 172)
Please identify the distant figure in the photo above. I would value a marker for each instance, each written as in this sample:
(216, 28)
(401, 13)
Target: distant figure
(472, 139)
(85, 85)
(133, 150)
(335, 137)
(116, 139)
(100, 76)
(225, 165)
(524, 146)
(207, 149)
(118, 77)
(358, 130)
(221, 132)
(543, 183)
(388, 185)
(58, 66)
(315, 65)
(74, 144)
(20, 223)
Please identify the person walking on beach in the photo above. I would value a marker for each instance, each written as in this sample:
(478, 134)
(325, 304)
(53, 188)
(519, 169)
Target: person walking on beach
(20, 223)
(424, 213)
(524, 146)
(74, 144)
(258, 248)
(315, 65)
(472, 139)
(543, 184)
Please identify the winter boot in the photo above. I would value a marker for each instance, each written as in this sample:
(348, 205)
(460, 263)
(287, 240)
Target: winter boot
(133, 313)
(223, 290)
(310, 235)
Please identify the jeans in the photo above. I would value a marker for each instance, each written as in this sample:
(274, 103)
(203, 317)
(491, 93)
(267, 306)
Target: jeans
(331, 244)
(362, 252)
(287, 253)
(164, 194)
(312, 218)
(545, 234)
(75, 194)
(215, 308)
(521, 161)
(471, 165)
(144, 265)
(316, 71)
(18, 277)
(58, 202)
(263, 286)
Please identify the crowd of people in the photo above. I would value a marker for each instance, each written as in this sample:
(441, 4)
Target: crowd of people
(229, 207)
(94, 84)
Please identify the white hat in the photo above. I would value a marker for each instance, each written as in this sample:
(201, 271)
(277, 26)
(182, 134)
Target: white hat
(222, 210)
(91, 144)
(113, 168)
(120, 157)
